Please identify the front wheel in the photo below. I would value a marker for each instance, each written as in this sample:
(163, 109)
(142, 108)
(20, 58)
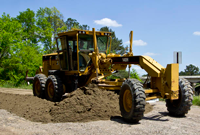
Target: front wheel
(181, 106)
(132, 100)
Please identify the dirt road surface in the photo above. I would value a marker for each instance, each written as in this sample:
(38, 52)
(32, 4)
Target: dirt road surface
(155, 122)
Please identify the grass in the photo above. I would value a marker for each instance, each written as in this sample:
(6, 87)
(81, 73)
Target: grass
(196, 100)
(7, 84)
(161, 99)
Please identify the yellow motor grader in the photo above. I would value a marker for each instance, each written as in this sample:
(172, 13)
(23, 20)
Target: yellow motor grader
(84, 56)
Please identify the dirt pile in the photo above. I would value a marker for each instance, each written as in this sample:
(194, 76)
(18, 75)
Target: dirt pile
(85, 104)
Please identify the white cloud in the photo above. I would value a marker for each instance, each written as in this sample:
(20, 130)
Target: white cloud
(136, 43)
(107, 22)
(139, 43)
(150, 54)
(197, 33)
(127, 42)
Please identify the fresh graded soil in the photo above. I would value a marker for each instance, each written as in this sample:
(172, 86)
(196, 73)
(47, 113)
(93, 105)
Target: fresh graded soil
(83, 105)
(157, 121)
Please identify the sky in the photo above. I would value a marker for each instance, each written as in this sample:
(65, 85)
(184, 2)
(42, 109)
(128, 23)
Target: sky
(160, 27)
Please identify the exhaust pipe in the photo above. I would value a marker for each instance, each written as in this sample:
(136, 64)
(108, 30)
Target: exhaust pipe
(28, 78)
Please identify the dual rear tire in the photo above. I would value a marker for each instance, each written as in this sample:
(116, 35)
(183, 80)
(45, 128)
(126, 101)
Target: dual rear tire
(39, 85)
(54, 88)
(50, 88)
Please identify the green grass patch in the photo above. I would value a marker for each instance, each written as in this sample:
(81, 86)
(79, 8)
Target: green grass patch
(9, 84)
(196, 100)
(161, 99)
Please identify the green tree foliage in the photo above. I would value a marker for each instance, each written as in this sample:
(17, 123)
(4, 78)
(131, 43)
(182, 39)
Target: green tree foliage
(28, 22)
(72, 23)
(10, 34)
(116, 45)
(17, 51)
(190, 70)
(25, 58)
(84, 27)
(119, 74)
(50, 21)
(124, 74)
(134, 74)
(45, 29)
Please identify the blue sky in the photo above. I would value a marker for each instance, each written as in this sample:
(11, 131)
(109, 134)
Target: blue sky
(160, 27)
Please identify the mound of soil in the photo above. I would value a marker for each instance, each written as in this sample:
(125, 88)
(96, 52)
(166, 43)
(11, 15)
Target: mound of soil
(84, 104)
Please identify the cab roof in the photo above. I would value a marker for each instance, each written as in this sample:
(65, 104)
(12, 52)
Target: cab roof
(87, 32)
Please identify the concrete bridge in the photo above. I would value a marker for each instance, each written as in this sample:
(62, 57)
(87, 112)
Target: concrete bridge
(192, 79)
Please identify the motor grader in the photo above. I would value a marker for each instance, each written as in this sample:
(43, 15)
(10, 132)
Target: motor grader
(84, 57)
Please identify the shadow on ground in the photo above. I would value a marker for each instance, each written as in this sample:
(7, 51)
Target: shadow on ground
(158, 117)
(162, 116)
(121, 120)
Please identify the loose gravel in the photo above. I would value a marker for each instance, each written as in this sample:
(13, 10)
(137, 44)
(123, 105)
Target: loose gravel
(155, 122)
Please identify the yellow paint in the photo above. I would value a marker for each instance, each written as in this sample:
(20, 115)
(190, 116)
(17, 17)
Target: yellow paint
(50, 89)
(152, 67)
(172, 80)
(77, 51)
(147, 91)
(153, 97)
(127, 100)
(37, 87)
(131, 41)
(164, 81)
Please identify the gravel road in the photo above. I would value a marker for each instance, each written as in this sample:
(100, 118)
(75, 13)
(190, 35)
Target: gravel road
(154, 122)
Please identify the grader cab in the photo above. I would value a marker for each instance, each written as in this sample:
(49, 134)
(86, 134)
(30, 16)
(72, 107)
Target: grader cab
(84, 57)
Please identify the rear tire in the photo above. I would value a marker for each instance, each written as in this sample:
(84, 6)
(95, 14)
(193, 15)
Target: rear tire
(54, 88)
(39, 85)
(181, 106)
(132, 100)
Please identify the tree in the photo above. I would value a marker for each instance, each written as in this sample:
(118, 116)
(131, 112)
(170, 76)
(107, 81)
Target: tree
(45, 29)
(50, 22)
(84, 27)
(10, 35)
(124, 74)
(116, 45)
(24, 58)
(18, 50)
(20, 40)
(190, 70)
(134, 74)
(72, 23)
(30, 30)
(182, 73)
(57, 21)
